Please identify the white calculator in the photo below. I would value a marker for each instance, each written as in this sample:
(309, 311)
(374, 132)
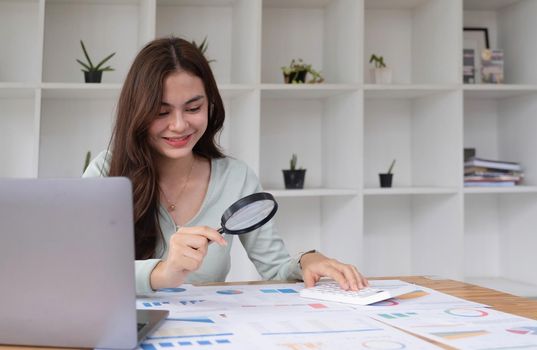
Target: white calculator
(331, 291)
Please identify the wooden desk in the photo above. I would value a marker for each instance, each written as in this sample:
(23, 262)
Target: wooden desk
(498, 300)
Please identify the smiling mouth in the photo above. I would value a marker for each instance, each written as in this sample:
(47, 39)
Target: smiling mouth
(182, 138)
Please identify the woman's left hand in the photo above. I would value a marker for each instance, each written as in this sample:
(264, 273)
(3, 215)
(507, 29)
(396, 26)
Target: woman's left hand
(316, 265)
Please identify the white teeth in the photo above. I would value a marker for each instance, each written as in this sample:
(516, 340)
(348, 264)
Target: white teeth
(176, 138)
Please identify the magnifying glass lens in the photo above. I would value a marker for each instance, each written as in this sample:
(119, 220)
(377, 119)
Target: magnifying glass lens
(250, 215)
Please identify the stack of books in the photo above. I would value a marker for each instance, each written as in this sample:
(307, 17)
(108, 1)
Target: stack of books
(486, 172)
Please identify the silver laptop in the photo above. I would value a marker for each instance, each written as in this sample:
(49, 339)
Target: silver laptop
(67, 264)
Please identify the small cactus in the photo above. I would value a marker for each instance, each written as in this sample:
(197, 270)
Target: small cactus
(292, 162)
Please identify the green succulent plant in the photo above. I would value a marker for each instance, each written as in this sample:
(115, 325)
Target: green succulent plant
(89, 66)
(86, 161)
(295, 68)
(202, 47)
(378, 61)
(391, 167)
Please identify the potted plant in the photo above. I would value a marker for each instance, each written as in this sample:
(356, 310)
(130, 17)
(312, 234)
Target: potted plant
(293, 177)
(380, 73)
(297, 70)
(203, 47)
(93, 73)
(386, 178)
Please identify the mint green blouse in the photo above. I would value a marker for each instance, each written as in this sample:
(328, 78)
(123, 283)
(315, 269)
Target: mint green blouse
(230, 180)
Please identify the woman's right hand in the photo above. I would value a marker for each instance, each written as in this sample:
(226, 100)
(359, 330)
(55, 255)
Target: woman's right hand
(186, 251)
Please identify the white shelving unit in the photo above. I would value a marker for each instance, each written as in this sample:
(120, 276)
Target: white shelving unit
(345, 131)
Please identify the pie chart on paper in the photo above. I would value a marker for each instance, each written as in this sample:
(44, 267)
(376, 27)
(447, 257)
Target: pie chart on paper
(523, 330)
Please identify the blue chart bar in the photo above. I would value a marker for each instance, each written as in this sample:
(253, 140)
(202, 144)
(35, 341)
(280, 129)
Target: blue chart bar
(190, 302)
(192, 319)
(182, 343)
(155, 303)
(287, 290)
(283, 290)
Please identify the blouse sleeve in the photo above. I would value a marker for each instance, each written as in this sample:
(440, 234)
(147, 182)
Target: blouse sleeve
(99, 167)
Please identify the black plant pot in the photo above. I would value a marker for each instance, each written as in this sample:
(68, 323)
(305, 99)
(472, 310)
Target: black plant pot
(386, 180)
(294, 179)
(93, 77)
(295, 76)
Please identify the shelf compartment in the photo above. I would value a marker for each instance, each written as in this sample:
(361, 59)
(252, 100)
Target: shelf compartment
(503, 129)
(325, 135)
(423, 134)
(409, 190)
(18, 130)
(325, 34)
(507, 224)
(231, 28)
(89, 122)
(321, 223)
(413, 234)
(507, 21)
(406, 34)
(20, 54)
(102, 27)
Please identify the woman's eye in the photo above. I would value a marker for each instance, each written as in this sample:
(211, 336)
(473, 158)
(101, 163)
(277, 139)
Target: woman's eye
(163, 113)
(193, 109)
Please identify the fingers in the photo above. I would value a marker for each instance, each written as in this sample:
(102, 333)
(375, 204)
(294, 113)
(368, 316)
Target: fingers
(310, 278)
(362, 281)
(316, 266)
(330, 271)
(188, 247)
(205, 231)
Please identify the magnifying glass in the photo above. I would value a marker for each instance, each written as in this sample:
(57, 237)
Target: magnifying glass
(248, 213)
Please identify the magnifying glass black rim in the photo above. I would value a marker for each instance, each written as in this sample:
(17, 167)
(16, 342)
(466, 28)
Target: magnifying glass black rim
(243, 202)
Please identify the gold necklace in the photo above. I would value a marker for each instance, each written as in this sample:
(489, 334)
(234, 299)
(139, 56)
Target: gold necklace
(171, 205)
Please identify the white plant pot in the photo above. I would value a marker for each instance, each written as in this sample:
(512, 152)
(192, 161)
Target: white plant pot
(381, 75)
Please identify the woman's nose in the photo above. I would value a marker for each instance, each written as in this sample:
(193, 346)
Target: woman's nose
(177, 121)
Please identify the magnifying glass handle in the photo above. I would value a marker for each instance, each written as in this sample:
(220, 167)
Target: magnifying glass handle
(221, 230)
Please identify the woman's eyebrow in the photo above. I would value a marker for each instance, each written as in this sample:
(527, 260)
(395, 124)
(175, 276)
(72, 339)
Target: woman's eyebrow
(193, 99)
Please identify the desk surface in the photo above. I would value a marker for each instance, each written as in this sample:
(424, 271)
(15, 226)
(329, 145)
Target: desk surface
(498, 300)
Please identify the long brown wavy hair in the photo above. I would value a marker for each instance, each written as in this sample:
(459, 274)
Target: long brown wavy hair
(138, 105)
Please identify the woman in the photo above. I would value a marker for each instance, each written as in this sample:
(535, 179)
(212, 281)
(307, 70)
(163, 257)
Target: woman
(168, 115)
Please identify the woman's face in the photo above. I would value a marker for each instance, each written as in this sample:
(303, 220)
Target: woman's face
(182, 118)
